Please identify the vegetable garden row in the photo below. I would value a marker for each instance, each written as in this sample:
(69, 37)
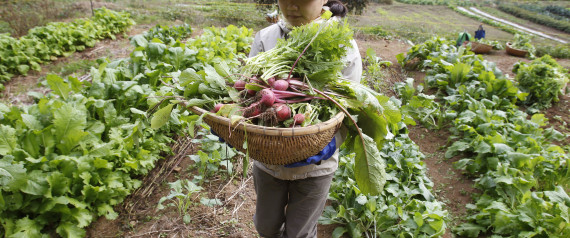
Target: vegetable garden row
(82, 148)
(46, 43)
(523, 177)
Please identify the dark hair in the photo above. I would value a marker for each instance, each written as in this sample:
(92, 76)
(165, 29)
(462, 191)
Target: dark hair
(337, 8)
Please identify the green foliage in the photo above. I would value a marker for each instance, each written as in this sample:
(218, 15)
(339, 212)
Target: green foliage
(213, 157)
(374, 66)
(321, 62)
(422, 51)
(559, 51)
(522, 42)
(168, 34)
(406, 207)
(422, 107)
(77, 152)
(536, 18)
(519, 171)
(544, 79)
(180, 197)
(558, 10)
(41, 44)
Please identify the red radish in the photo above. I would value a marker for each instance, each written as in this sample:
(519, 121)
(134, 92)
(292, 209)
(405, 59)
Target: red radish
(267, 97)
(218, 107)
(281, 85)
(255, 112)
(239, 85)
(299, 118)
(251, 92)
(270, 81)
(283, 111)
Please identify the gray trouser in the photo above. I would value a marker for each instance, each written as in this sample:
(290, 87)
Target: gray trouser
(289, 208)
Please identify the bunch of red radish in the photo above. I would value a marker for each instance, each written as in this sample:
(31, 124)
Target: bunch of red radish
(269, 105)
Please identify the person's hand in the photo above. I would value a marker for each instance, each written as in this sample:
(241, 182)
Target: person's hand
(220, 138)
(325, 154)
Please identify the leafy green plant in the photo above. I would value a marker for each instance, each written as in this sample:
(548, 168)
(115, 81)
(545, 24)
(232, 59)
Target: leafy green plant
(213, 157)
(180, 197)
(406, 207)
(373, 75)
(168, 34)
(422, 107)
(561, 51)
(79, 150)
(544, 79)
(41, 44)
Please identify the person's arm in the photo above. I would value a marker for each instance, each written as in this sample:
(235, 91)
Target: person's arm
(353, 69)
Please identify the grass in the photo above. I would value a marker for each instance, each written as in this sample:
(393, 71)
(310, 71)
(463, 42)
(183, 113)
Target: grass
(419, 23)
(78, 67)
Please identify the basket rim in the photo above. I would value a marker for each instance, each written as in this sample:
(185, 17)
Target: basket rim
(515, 49)
(272, 131)
(479, 43)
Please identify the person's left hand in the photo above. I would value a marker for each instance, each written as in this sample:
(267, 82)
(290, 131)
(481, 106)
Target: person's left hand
(325, 154)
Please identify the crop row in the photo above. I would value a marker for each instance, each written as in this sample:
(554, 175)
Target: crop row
(536, 18)
(406, 207)
(521, 174)
(556, 12)
(81, 149)
(46, 43)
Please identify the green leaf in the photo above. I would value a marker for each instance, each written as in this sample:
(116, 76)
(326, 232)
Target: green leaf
(8, 140)
(418, 219)
(501, 148)
(469, 230)
(210, 202)
(161, 117)
(369, 165)
(26, 228)
(69, 123)
(31, 122)
(459, 73)
(82, 216)
(558, 195)
(13, 176)
(70, 230)
(58, 86)
(213, 78)
(189, 76)
(338, 232)
(58, 184)
(456, 146)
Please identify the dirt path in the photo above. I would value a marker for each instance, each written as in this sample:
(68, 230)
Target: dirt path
(475, 11)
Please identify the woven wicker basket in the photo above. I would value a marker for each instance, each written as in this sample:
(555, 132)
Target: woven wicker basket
(480, 48)
(271, 145)
(515, 52)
